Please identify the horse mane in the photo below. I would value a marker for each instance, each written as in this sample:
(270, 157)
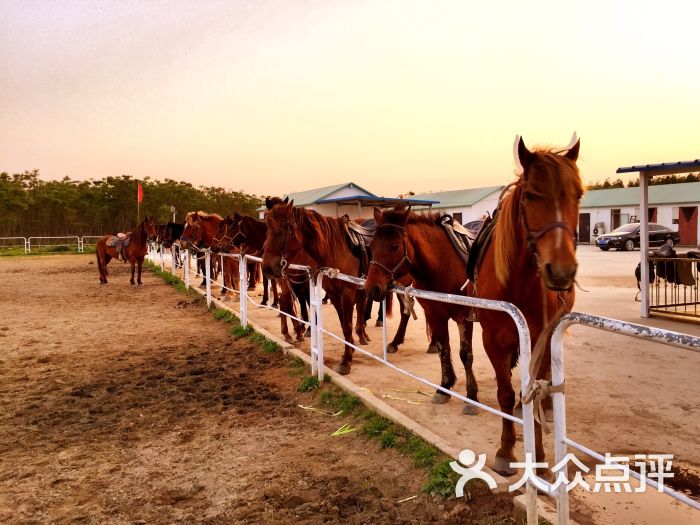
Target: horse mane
(395, 215)
(202, 215)
(552, 177)
(326, 234)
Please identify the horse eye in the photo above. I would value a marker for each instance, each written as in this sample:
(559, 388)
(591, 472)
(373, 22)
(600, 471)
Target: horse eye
(529, 196)
(395, 248)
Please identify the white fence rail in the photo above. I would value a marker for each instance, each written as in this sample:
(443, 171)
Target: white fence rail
(24, 244)
(561, 441)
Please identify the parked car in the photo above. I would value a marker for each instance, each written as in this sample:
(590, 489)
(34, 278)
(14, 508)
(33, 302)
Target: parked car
(627, 237)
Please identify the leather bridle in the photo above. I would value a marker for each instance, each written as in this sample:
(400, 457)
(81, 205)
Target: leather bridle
(405, 259)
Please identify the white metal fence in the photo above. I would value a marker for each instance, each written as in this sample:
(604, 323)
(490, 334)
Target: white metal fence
(527, 421)
(46, 242)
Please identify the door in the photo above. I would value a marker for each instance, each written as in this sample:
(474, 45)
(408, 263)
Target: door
(651, 214)
(688, 225)
(584, 227)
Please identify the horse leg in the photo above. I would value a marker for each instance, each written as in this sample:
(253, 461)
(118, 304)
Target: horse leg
(275, 294)
(360, 325)
(133, 270)
(344, 306)
(266, 295)
(302, 293)
(441, 336)
(140, 263)
(400, 334)
(466, 330)
(380, 315)
(286, 306)
(501, 357)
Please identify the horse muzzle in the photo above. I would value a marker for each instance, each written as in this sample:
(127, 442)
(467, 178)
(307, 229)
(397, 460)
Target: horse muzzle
(559, 278)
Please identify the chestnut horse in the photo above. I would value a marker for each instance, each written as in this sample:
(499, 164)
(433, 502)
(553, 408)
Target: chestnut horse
(530, 262)
(229, 238)
(199, 231)
(291, 230)
(134, 252)
(417, 246)
(295, 283)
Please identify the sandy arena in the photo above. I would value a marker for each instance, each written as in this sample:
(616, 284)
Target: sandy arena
(133, 405)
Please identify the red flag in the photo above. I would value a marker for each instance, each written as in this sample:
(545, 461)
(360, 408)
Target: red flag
(139, 194)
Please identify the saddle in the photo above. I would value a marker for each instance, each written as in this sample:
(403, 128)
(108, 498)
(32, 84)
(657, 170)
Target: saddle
(119, 242)
(478, 247)
(461, 238)
(679, 271)
(359, 237)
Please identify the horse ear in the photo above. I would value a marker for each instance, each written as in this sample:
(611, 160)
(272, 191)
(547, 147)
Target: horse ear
(268, 203)
(236, 216)
(291, 203)
(378, 216)
(572, 154)
(523, 155)
(286, 199)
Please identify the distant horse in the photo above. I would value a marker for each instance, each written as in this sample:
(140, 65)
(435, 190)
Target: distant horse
(199, 231)
(417, 246)
(290, 230)
(170, 237)
(131, 248)
(529, 261)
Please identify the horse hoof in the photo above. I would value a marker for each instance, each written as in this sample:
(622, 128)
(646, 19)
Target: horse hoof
(140, 284)
(132, 284)
(363, 340)
(288, 338)
(433, 349)
(342, 369)
(440, 398)
(391, 348)
(275, 305)
(379, 323)
(503, 467)
(263, 303)
(470, 410)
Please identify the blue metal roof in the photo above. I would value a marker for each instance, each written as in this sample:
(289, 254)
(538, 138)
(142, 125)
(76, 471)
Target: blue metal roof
(379, 201)
(666, 167)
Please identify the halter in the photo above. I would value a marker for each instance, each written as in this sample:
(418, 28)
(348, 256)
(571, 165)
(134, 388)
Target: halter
(533, 236)
(403, 260)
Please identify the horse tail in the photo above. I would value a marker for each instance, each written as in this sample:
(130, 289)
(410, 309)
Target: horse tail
(389, 304)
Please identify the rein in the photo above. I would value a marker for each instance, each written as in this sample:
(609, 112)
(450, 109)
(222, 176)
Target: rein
(404, 259)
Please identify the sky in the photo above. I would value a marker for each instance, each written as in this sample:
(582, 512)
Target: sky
(272, 97)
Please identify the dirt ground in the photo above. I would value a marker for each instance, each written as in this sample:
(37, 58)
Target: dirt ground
(133, 405)
(624, 396)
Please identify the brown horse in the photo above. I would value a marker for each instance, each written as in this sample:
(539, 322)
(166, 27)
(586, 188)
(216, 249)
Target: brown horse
(417, 246)
(530, 262)
(199, 232)
(291, 230)
(134, 252)
(231, 239)
(253, 234)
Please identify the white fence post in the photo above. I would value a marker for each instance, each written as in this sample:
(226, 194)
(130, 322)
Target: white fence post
(384, 326)
(243, 287)
(187, 268)
(207, 271)
(26, 245)
(314, 302)
(173, 264)
(319, 326)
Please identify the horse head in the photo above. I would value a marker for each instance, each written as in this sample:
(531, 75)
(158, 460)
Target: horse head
(544, 203)
(392, 252)
(225, 234)
(149, 226)
(192, 232)
(282, 242)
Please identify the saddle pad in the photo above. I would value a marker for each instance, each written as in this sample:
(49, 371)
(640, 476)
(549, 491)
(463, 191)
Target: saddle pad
(461, 241)
(362, 231)
(478, 247)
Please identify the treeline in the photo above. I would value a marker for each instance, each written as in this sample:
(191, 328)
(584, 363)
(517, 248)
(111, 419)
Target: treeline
(653, 181)
(31, 206)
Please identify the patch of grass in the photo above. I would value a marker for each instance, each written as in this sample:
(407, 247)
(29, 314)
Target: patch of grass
(59, 248)
(297, 367)
(17, 251)
(375, 425)
(441, 480)
(423, 454)
(269, 347)
(238, 331)
(387, 439)
(336, 401)
(308, 384)
(227, 316)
